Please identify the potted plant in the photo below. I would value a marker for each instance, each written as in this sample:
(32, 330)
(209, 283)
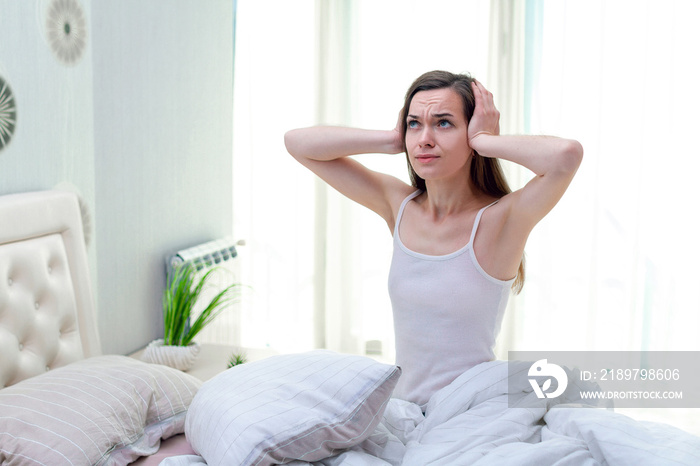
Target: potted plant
(183, 291)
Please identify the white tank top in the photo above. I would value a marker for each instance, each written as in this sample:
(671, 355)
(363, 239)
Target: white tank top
(447, 314)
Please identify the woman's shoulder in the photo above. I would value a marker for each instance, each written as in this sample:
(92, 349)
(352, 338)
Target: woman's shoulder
(400, 192)
(501, 220)
(396, 195)
(494, 210)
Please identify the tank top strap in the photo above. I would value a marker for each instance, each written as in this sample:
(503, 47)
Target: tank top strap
(477, 220)
(401, 209)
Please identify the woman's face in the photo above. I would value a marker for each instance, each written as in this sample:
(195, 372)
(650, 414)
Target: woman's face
(436, 134)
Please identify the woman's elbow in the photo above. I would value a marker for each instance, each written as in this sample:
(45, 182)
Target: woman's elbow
(290, 142)
(571, 155)
(294, 142)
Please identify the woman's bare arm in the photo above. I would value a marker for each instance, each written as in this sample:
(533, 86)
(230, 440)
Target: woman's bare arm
(553, 160)
(325, 150)
(325, 143)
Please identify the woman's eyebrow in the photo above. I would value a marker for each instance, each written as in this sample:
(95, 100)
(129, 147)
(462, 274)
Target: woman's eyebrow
(434, 115)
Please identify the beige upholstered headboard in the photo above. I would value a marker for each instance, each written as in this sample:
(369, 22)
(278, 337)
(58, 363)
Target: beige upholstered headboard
(47, 315)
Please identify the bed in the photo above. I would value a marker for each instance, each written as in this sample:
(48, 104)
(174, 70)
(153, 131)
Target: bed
(63, 402)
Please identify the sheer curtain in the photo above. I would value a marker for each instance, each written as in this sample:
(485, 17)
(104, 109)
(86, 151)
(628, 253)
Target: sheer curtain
(612, 267)
(274, 90)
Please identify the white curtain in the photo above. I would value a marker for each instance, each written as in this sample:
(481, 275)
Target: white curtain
(274, 90)
(612, 267)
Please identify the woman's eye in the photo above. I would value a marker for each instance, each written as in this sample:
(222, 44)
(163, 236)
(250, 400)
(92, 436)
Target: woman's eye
(413, 124)
(444, 124)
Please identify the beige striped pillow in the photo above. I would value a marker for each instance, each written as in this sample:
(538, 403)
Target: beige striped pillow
(101, 410)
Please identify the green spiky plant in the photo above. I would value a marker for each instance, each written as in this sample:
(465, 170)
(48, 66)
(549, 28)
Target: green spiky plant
(236, 359)
(182, 292)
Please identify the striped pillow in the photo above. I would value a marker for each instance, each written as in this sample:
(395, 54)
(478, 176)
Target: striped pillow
(305, 406)
(101, 410)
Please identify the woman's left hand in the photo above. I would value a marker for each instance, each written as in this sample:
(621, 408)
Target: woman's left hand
(486, 115)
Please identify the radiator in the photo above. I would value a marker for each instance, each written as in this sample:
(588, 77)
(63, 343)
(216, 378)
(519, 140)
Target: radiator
(221, 253)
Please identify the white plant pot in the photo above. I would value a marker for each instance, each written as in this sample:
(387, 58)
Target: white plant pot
(179, 357)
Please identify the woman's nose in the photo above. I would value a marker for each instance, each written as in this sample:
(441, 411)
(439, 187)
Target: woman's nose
(426, 137)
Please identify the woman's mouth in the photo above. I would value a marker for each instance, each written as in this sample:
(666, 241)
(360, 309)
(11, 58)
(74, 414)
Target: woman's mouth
(426, 158)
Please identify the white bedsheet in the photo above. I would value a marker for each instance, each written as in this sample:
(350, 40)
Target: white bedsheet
(469, 423)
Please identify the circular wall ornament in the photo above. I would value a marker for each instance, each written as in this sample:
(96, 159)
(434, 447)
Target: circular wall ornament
(66, 29)
(8, 114)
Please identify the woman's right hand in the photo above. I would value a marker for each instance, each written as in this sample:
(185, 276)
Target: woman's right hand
(398, 139)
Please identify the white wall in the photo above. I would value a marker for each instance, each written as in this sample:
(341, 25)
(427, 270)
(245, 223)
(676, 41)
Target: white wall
(140, 127)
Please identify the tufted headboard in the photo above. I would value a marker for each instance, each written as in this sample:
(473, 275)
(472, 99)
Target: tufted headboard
(47, 316)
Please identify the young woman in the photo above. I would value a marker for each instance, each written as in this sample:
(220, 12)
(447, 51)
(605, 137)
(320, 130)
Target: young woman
(459, 233)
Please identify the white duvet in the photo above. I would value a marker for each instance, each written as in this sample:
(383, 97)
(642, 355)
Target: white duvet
(469, 422)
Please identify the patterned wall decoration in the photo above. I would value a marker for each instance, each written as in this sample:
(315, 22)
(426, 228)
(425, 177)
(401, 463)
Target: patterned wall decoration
(8, 114)
(66, 29)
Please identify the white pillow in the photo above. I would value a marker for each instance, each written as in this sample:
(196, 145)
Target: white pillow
(101, 410)
(302, 406)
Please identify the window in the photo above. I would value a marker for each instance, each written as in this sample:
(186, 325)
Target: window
(274, 90)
